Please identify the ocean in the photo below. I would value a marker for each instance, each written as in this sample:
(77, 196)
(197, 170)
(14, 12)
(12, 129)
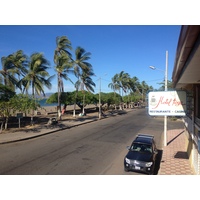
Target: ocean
(43, 103)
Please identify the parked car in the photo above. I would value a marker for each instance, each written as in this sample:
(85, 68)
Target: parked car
(142, 154)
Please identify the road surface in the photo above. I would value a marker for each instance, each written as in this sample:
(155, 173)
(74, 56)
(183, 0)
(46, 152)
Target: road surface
(97, 148)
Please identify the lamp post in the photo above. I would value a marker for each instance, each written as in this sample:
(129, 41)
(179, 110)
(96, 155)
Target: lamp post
(165, 117)
(100, 96)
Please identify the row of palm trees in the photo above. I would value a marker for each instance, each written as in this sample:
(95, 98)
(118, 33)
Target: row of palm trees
(23, 72)
(79, 66)
(123, 83)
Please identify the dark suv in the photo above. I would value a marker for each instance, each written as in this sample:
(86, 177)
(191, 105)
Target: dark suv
(142, 154)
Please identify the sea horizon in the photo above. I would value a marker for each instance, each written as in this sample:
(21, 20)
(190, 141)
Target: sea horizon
(43, 103)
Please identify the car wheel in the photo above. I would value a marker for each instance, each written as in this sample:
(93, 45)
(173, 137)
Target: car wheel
(151, 173)
(126, 170)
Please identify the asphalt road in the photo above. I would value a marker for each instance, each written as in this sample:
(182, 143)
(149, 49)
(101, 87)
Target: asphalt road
(96, 148)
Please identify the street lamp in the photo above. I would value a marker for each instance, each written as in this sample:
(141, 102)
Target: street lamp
(165, 117)
(100, 96)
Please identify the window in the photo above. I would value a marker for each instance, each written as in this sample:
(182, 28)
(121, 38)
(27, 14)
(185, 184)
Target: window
(141, 148)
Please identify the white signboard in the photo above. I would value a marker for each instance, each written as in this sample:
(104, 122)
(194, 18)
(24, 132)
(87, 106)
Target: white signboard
(170, 103)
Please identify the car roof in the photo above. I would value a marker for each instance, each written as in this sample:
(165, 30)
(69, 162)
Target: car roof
(143, 138)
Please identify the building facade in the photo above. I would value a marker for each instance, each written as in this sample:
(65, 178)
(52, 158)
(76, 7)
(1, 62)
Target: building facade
(186, 76)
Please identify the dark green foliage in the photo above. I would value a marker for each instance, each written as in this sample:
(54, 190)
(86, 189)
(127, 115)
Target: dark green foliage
(65, 98)
(5, 93)
(17, 103)
(68, 98)
(109, 98)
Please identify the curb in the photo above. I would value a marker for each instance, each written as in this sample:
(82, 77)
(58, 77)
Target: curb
(49, 132)
(53, 131)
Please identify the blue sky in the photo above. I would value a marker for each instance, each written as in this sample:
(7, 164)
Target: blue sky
(113, 48)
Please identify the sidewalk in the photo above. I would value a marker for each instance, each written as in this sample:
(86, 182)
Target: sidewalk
(43, 129)
(174, 161)
(37, 131)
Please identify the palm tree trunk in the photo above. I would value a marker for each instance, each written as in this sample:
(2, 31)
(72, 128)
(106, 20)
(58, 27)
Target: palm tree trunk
(59, 93)
(1, 127)
(6, 123)
(121, 102)
(33, 95)
(58, 90)
(84, 103)
(74, 112)
(115, 100)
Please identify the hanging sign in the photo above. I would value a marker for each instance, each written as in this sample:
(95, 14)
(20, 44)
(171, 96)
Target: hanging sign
(169, 103)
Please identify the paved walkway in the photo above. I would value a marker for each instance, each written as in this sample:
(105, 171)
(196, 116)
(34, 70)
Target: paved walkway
(39, 130)
(174, 159)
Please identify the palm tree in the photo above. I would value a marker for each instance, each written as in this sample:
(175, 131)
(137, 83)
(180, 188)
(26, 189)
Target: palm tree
(114, 86)
(124, 82)
(62, 59)
(7, 73)
(134, 83)
(5, 93)
(1, 79)
(37, 76)
(14, 64)
(19, 64)
(81, 57)
(142, 89)
(86, 82)
(82, 68)
(62, 46)
(4, 72)
(63, 67)
(169, 85)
